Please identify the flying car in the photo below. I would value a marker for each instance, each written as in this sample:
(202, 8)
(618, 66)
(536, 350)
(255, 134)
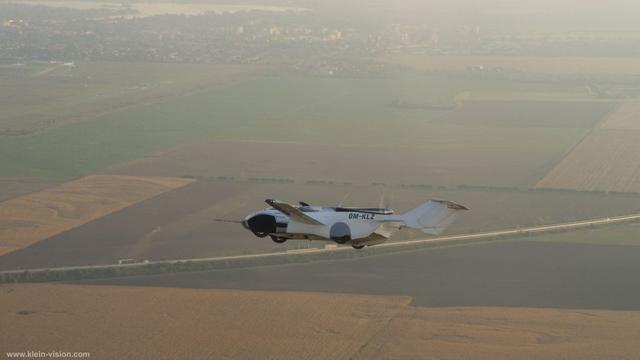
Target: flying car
(355, 226)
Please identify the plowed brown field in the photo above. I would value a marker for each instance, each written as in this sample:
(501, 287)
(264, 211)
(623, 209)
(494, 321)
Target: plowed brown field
(507, 333)
(627, 117)
(607, 160)
(34, 217)
(154, 323)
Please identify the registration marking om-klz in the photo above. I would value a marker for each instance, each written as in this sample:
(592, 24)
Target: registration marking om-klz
(361, 216)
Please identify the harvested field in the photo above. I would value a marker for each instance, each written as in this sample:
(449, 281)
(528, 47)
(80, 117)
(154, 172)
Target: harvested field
(607, 160)
(499, 333)
(34, 217)
(537, 64)
(240, 324)
(626, 117)
(144, 323)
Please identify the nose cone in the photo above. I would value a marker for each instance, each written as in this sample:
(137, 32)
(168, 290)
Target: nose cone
(261, 224)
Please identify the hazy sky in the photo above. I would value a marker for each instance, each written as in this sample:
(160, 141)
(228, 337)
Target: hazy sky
(581, 13)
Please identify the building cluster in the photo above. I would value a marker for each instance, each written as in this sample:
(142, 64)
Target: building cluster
(303, 39)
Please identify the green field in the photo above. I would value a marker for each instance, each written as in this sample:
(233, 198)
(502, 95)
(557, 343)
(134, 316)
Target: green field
(38, 96)
(296, 109)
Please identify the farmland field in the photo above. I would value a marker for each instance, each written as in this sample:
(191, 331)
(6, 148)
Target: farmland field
(532, 113)
(204, 324)
(34, 217)
(179, 224)
(504, 333)
(531, 64)
(607, 160)
(38, 96)
(14, 187)
(310, 325)
(359, 112)
(447, 151)
(318, 139)
(521, 274)
(446, 164)
(626, 117)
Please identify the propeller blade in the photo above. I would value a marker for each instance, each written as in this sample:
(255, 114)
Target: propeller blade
(228, 221)
(344, 198)
(381, 204)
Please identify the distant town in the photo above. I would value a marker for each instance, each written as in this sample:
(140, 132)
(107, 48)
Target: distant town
(303, 39)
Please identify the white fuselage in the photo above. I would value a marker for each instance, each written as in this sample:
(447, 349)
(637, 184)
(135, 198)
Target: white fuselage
(360, 225)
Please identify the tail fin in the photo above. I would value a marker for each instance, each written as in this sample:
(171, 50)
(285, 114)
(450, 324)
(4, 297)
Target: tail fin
(433, 216)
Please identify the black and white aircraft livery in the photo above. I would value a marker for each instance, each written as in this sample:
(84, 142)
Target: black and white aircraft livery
(358, 227)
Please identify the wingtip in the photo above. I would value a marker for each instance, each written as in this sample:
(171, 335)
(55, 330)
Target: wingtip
(452, 205)
(456, 206)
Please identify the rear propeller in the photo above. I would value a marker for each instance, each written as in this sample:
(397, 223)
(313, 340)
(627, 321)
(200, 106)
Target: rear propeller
(344, 198)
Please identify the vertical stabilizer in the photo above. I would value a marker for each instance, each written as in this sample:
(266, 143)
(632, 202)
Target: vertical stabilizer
(432, 217)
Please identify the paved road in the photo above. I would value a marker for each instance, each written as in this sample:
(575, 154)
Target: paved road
(396, 244)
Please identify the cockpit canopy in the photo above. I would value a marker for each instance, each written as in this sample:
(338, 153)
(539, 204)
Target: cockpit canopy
(377, 211)
(309, 208)
(306, 208)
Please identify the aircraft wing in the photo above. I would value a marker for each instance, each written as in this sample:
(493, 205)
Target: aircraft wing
(293, 212)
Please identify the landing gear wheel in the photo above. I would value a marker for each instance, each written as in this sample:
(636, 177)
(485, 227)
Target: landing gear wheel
(341, 240)
(358, 247)
(260, 234)
(278, 240)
